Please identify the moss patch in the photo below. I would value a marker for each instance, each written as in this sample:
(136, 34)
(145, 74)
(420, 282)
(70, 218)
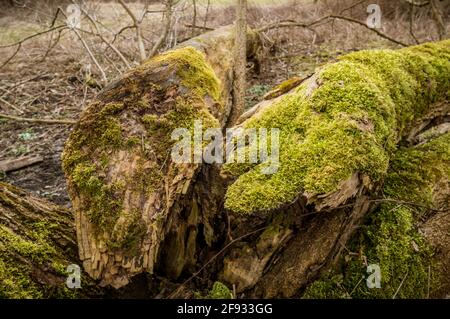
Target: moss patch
(352, 121)
(390, 237)
(218, 291)
(16, 276)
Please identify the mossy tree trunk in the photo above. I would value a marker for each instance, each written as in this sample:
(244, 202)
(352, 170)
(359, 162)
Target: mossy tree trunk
(37, 243)
(136, 209)
(340, 131)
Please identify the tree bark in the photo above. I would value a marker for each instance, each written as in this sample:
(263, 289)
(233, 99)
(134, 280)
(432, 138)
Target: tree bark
(240, 62)
(37, 243)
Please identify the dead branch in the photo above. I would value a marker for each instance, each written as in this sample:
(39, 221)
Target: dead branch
(110, 45)
(32, 36)
(85, 45)
(290, 23)
(168, 22)
(36, 120)
(137, 26)
(18, 163)
(10, 105)
(367, 27)
(91, 55)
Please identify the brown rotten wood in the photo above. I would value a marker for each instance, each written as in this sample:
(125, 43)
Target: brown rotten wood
(169, 212)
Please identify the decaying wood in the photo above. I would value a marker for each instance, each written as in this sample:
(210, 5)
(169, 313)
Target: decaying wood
(26, 219)
(18, 163)
(181, 210)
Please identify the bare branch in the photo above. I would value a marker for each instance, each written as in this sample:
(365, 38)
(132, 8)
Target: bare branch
(10, 105)
(110, 45)
(168, 22)
(137, 26)
(36, 120)
(32, 36)
(288, 24)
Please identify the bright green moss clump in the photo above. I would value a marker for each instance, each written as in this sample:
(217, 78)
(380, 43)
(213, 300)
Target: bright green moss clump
(218, 291)
(390, 237)
(195, 74)
(350, 118)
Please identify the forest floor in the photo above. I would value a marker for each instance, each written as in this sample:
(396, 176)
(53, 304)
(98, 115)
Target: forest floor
(57, 88)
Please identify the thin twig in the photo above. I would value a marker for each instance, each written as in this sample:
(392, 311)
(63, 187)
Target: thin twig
(32, 36)
(290, 23)
(168, 22)
(367, 27)
(110, 45)
(354, 288)
(88, 50)
(12, 56)
(401, 284)
(10, 105)
(137, 26)
(36, 120)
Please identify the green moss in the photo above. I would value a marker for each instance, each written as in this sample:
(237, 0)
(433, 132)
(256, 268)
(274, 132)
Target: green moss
(390, 240)
(414, 171)
(16, 277)
(195, 74)
(15, 282)
(351, 122)
(390, 237)
(327, 288)
(218, 291)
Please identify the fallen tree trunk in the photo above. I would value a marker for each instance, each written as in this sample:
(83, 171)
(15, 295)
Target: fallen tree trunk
(37, 243)
(339, 130)
(137, 210)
